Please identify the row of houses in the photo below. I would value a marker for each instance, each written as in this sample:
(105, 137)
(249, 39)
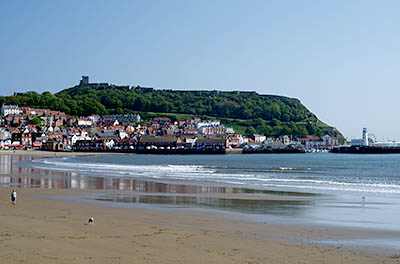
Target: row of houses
(24, 127)
(145, 144)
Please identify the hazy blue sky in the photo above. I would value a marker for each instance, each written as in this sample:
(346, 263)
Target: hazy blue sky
(340, 58)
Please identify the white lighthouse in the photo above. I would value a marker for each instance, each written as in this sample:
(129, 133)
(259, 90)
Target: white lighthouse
(364, 137)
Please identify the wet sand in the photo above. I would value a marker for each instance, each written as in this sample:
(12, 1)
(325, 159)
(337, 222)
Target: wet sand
(39, 229)
(42, 154)
(50, 226)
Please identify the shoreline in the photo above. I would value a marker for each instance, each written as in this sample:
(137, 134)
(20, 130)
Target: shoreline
(160, 235)
(58, 231)
(43, 153)
(233, 151)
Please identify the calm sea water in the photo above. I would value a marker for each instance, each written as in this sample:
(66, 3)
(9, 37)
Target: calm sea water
(361, 175)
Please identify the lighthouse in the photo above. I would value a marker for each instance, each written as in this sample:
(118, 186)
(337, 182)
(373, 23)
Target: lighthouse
(364, 137)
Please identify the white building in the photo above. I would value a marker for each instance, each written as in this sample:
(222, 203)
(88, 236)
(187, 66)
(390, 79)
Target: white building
(387, 144)
(361, 141)
(83, 136)
(208, 123)
(94, 118)
(259, 138)
(122, 134)
(10, 109)
(285, 139)
(330, 141)
(230, 130)
(4, 134)
(84, 122)
(212, 130)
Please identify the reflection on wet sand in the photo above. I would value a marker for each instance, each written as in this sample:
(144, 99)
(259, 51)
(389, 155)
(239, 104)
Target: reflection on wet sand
(249, 206)
(70, 180)
(16, 171)
(8, 164)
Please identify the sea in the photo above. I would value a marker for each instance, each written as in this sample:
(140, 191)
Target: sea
(323, 189)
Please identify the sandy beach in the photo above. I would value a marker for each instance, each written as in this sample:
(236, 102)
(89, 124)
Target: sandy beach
(51, 226)
(39, 229)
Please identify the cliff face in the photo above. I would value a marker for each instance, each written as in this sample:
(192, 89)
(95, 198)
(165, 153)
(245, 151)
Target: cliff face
(247, 112)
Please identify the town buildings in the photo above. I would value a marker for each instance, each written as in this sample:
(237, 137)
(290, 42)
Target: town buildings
(10, 109)
(29, 128)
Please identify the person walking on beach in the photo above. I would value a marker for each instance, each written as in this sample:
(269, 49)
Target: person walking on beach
(13, 197)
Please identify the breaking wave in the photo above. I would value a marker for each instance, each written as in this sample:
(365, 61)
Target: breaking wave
(257, 178)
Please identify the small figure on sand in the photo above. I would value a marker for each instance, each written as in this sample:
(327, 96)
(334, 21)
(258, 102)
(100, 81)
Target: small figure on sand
(13, 197)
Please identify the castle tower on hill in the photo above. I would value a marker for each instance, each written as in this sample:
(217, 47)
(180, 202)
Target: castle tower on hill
(84, 81)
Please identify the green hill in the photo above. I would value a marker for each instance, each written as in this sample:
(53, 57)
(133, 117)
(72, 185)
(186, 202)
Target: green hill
(247, 112)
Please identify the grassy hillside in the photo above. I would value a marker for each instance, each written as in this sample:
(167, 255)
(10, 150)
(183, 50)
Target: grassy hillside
(247, 112)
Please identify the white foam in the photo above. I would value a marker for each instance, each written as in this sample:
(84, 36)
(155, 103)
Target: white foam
(216, 174)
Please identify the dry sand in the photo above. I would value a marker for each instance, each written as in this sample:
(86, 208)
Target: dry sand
(42, 230)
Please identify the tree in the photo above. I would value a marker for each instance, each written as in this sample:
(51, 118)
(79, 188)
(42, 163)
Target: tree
(258, 122)
(275, 122)
(311, 128)
(36, 121)
(250, 131)
(302, 132)
(140, 104)
(265, 130)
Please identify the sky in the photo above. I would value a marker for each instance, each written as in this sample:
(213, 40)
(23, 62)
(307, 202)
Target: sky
(340, 58)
